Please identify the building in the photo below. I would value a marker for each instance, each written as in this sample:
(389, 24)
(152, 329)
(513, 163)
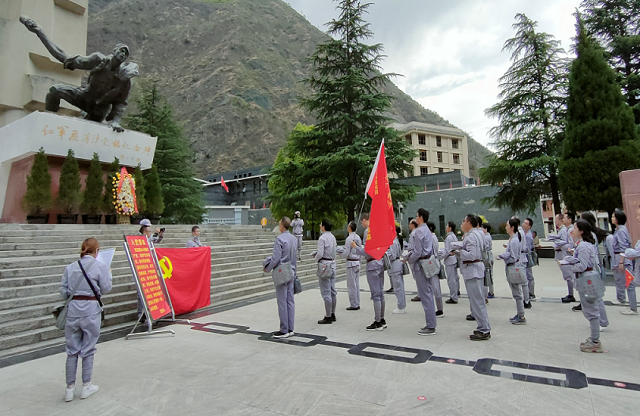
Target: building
(440, 149)
(247, 187)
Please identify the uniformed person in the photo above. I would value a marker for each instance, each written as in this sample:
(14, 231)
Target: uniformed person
(396, 273)
(435, 280)
(621, 242)
(451, 264)
(528, 247)
(413, 226)
(297, 225)
(82, 329)
(525, 289)
(326, 255)
(353, 267)
(375, 278)
(194, 241)
(488, 246)
(512, 255)
(562, 245)
(634, 255)
(283, 248)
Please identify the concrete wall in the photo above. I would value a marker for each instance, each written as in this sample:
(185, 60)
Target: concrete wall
(630, 186)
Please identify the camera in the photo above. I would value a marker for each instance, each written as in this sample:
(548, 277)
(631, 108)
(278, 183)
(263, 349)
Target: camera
(161, 230)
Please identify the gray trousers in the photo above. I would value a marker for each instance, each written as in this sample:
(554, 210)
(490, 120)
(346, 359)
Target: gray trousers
(436, 290)
(453, 280)
(516, 291)
(531, 282)
(81, 336)
(604, 321)
(622, 291)
(569, 277)
(591, 311)
(426, 296)
(476, 300)
(353, 285)
(375, 278)
(329, 294)
(299, 249)
(397, 281)
(286, 306)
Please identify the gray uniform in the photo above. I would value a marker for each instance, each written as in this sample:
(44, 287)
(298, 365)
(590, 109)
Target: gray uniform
(193, 242)
(395, 274)
(422, 248)
(353, 269)
(585, 253)
(326, 254)
(375, 278)
(473, 275)
(283, 247)
(296, 229)
(512, 255)
(562, 246)
(83, 316)
(621, 242)
(633, 254)
(435, 280)
(488, 247)
(451, 266)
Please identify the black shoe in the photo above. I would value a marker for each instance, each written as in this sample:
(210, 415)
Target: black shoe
(389, 291)
(451, 301)
(480, 337)
(374, 326)
(325, 320)
(532, 296)
(279, 335)
(470, 318)
(458, 293)
(577, 308)
(527, 305)
(476, 332)
(415, 299)
(439, 314)
(333, 317)
(383, 323)
(568, 299)
(351, 308)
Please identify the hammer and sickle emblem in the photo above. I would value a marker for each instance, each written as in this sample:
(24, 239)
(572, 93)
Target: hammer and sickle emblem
(166, 266)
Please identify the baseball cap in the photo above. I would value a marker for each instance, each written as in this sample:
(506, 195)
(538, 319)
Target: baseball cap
(297, 213)
(145, 222)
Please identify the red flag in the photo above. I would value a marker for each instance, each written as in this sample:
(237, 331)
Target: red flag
(629, 277)
(224, 185)
(450, 183)
(382, 225)
(438, 185)
(187, 274)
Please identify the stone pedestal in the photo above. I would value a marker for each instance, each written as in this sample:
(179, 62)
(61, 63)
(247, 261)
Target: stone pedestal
(630, 186)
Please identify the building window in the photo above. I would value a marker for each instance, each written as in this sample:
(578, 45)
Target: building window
(454, 143)
(456, 158)
(423, 155)
(439, 157)
(408, 139)
(438, 141)
(440, 170)
(424, 170)
(422, 139)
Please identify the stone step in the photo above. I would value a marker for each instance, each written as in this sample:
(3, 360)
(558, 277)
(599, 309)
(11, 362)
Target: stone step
(118, 233)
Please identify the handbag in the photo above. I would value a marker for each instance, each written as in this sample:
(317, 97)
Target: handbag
(430, 267)
(590, 285)
(297, 286)
(405, 269)
(516, 274)
(441, 274)
(93, 289)
(60, 313)
(534, 258)
(325, 271)
(386, 262)
(283, 273)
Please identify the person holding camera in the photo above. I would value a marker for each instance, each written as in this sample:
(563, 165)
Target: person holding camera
(296, 227)
(145, 229)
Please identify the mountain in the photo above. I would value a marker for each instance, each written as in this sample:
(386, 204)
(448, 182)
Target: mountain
(231, 69)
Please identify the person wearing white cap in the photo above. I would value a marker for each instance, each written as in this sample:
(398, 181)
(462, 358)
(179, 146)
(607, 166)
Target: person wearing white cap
(296, 228)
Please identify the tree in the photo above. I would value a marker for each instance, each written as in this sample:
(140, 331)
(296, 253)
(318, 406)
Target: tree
(69, 196)
(329, 164)
(138, 177)
(92, 196)
(616, 24)
(531, 114)
(38, 197)
(108, 202)
(183, 196)
(153, 193)
(600, 136)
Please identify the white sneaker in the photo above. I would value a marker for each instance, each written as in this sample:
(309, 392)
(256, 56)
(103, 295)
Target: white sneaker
(88, 390)
(604, 328)
(399, 311)
(628, 311)
(70, 393)
(618, 303)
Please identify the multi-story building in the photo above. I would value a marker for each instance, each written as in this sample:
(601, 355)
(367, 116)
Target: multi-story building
(440, 149)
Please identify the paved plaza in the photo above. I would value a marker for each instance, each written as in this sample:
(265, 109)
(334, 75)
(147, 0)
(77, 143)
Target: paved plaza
(232, 367)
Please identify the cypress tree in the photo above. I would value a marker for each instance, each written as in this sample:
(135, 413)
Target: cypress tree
(38, 197)
(138, 177)
(108, 201)
(69, 196)
(92, 197)
(153, 193)
(600, 139)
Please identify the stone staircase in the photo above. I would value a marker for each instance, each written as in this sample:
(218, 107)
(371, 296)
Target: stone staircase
(33, 258)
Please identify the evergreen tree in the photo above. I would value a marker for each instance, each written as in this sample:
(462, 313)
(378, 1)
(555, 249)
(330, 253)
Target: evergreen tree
(138, 177)
(153, 192)
(616, 24)
(92, 197)
(530, 113)
(331, 162)
(38, 197)
(183, 196)
(600, 137)
(108, 202)
(69, 196)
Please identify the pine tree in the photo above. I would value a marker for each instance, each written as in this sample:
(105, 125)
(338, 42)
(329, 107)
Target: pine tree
(531, 114)
(92, 197)
(38, 197)
(331, 163)
(600, 139)
(108, 201)
(183, 196)
(138, 177)
(153, 193)
(69, 196)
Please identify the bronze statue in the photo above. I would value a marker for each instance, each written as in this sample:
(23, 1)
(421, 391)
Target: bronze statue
(104, 98)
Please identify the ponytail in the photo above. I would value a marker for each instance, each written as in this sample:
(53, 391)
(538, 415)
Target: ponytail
(514, 223)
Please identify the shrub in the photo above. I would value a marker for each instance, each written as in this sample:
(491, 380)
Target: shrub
(92, 197)
(69, 196)
(38, 198)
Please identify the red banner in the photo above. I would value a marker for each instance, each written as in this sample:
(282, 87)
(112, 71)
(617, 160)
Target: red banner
(382, 225)
(146, 272)
(187, 274)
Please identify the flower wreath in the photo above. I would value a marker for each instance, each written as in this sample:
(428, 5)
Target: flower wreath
(124, 194)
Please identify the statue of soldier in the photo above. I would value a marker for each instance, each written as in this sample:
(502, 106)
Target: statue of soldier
(104, 98)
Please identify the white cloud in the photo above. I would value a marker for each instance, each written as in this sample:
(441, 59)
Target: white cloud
(449, 53)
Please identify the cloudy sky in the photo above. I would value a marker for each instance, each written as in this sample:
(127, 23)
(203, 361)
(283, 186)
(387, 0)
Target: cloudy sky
(450, 52)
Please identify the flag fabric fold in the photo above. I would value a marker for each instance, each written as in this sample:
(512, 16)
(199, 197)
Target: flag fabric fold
(224, 185)
(628, 277)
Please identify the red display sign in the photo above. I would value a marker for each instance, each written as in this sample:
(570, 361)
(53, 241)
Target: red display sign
(154, 292)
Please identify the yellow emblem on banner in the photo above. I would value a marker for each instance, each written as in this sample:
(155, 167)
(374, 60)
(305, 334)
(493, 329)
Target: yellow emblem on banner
(166, 266)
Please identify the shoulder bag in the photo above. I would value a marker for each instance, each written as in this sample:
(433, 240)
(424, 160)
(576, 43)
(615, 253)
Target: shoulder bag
(430, 267)
(60, 313)
(590, 285)
(325, 271)
(93, 289)
(405, 269)
(516, 274)
(283, 273)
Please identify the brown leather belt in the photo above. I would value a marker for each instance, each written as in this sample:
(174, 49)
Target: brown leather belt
(471, 261)
(423, 258)
(618, 252)
(324, 258)
(80, 297)
(348, 259)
